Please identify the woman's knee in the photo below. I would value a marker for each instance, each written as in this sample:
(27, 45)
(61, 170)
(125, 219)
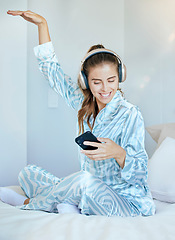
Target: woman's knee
(24, 173)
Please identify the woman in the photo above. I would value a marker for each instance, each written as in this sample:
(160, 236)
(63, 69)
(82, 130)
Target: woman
(113, 178)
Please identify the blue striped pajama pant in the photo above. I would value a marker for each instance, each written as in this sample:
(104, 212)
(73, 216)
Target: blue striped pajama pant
(82, 189)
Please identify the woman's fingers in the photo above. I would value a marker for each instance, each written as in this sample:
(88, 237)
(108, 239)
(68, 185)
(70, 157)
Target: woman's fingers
(15, 13)
(94, 144)
(105, 140)
(90, 152)
(30, 14)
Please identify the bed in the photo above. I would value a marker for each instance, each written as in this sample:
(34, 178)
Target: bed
(16, 224)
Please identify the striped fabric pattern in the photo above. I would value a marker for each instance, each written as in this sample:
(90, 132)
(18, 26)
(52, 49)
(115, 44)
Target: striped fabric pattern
(120, 121)
(82, 189)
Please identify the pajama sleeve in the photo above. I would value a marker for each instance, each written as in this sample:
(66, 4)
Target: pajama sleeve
(58, 80)
(132, 140)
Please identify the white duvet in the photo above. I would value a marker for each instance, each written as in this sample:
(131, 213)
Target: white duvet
(18, 224)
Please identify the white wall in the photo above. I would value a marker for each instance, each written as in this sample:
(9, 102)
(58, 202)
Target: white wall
(150, 58)
(141, 32)
(13, 80)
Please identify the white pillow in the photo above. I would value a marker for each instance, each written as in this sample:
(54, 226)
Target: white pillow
(161, 131)
(161, 171)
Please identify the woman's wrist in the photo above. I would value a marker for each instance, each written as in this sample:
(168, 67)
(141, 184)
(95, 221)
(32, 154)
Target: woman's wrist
(43, 32)
(120, 157)
(42, 23)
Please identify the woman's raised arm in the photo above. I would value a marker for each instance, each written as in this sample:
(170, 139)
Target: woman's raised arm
(48, 63)
(43, 30)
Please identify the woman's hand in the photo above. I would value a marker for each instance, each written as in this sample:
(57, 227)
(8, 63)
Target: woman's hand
(107, 149)
(28, 16)
(38, 20)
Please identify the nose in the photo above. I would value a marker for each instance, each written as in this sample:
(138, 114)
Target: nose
(104, 86)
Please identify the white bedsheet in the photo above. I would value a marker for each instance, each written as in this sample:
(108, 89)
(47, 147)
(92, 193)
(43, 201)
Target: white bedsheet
(18, 224)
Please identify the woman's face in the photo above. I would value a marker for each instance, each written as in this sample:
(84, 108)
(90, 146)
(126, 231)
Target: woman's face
(103, 82)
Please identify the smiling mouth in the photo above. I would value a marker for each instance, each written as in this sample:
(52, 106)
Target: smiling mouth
(105, 95)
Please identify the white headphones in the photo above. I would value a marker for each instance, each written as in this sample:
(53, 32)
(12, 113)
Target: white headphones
(121, 67)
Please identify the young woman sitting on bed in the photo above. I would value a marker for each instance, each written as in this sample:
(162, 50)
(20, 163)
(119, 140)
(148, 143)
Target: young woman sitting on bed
(113, 178)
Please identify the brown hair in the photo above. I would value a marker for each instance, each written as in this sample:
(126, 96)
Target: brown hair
(89, 106)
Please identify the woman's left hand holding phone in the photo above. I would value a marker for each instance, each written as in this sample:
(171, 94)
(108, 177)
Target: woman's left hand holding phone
(38, 20)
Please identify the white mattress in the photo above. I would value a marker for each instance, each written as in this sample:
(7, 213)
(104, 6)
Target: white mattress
(18, 224)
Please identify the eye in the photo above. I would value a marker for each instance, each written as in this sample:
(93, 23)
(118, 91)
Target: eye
(111, 80)
(97, 82)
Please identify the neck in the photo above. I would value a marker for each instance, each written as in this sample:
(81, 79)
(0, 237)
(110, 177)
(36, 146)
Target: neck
(100, 106)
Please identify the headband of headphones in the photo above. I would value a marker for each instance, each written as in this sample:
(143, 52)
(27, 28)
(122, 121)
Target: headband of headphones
(121, 67)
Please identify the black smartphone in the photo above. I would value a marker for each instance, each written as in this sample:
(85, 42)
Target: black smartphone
(87, 136)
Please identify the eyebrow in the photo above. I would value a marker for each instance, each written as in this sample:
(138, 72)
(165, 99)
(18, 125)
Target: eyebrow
(98, 79)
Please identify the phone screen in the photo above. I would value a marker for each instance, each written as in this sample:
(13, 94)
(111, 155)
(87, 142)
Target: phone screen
(87, 136)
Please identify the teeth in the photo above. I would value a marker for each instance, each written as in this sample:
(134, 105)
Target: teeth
(105, 95)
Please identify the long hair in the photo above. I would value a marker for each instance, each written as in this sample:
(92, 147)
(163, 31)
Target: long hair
(89, 106)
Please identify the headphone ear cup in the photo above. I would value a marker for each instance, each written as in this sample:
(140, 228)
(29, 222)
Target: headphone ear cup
(83, 80)
(122, 72)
